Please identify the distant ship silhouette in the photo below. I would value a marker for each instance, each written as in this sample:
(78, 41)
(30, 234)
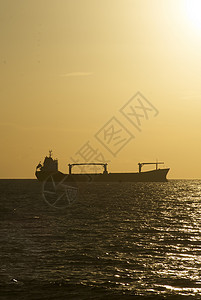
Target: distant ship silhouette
(50, 167)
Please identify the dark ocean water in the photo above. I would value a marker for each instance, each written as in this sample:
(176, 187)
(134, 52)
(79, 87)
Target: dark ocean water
(116, 241)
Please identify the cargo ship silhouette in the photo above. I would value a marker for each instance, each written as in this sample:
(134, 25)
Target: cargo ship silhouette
(50, 168)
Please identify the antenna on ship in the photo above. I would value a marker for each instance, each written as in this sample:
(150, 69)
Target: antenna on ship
(50, 153)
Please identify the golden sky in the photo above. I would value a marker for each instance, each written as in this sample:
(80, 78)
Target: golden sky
(69, 66)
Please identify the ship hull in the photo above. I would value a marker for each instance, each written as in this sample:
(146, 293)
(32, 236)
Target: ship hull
(149, 176)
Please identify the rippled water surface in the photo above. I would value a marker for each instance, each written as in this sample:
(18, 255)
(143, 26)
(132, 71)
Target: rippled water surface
(117, 241)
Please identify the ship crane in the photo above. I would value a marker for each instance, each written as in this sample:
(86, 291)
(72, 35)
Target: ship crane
(89, 164)
(155, 163)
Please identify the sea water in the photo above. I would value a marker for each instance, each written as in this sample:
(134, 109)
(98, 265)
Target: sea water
(115, 241)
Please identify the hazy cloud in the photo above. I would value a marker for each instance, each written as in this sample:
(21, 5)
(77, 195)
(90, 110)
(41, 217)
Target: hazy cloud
(77, 74)
(38, 128)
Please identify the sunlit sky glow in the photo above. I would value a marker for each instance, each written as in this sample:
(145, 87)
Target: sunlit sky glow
(193, 11)
(67, 67)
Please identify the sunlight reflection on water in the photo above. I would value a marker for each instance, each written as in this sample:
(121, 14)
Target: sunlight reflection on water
(136, 239)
